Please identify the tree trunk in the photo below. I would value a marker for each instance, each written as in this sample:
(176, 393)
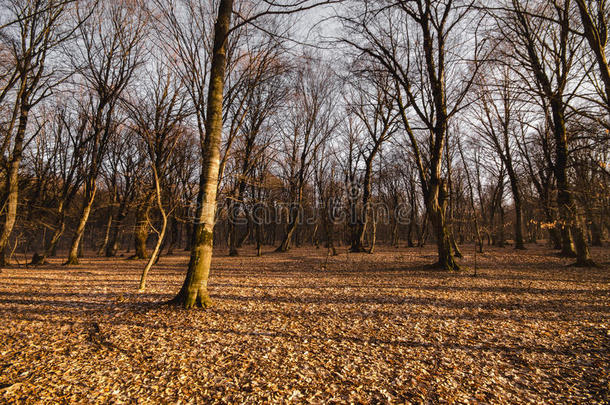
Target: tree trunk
(259, 239)
(155, 253)
(245, 235)
(373, 235)
(514, 186)
(436, 201)
(141, 232)
(51, 247)
(113, 243)
(286, 244)
(443, 242)
(175, 235)
(567, 207)
(423, 231)
(104, 244)
(90, 190)
(357, 239)
(12, 181)
(233, 212)
(412, 224)
(194, 291)
(500, 236)
(596, 230)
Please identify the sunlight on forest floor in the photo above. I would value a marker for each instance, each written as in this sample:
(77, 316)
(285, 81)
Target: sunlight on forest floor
(299, 327)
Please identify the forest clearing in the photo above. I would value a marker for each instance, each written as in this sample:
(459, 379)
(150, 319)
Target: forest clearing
(302, 327)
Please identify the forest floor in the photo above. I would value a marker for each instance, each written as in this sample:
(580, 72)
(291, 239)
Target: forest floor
(298, 327)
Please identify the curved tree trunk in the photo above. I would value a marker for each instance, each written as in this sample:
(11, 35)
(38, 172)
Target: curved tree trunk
(51, 247)
(286, 244)
(161, 236)
(104, 244)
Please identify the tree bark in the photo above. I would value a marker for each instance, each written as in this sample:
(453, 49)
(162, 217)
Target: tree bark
(141, 232)
(113, 243)
(567, 207)
(12, 180)
(90, 190)
(514, 186)
(155, 253)
(436, 202)
(194, 291)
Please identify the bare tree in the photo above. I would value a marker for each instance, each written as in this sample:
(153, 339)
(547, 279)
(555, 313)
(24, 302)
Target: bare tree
(594, 15)
(410, 39)
(35, 30)
(156, 112)
(109, 52)
(194, 292)
(497, 109)
(69, 136)
(311, 121)
(544, 45)
(372, 102)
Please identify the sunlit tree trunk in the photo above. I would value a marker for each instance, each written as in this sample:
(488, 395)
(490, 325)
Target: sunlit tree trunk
(436, 202)
(12, 180)
(194, 291)
(90, 190)
(161, 234)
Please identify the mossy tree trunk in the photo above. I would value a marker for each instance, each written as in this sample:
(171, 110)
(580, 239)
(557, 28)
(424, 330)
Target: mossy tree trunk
(437, 205)
(194, 291)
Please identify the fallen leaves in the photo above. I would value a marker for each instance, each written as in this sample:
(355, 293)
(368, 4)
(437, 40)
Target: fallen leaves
(368, 329)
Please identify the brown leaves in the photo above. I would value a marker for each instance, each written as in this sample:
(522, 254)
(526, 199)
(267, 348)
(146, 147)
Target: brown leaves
(368, 329)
